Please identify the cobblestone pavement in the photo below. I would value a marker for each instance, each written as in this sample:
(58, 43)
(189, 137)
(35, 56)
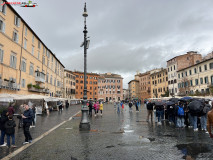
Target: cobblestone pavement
(43, 124)
(125, 136)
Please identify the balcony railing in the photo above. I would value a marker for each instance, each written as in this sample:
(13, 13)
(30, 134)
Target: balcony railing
(39, 77)
(4, 84)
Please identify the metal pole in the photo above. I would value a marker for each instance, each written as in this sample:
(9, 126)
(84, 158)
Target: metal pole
(84, 124)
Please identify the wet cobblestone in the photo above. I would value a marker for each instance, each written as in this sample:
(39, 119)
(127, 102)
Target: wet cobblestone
(123, 136)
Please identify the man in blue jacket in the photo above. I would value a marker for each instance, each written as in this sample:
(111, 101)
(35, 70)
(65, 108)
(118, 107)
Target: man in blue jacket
(27, 121)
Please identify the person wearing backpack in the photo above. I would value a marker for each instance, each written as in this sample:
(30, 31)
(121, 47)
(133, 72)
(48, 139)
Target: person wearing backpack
(206, 109)
(10, 130)
(180, 116)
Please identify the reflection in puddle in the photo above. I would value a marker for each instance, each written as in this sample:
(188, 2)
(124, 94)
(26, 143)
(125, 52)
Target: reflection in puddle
(192, 150)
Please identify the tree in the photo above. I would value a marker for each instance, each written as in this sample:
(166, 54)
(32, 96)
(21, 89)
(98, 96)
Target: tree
(185, 86)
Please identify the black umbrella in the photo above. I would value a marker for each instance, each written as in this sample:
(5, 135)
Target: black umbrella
(159, 103)
(195, 105)
(175, 100)
(169, 103)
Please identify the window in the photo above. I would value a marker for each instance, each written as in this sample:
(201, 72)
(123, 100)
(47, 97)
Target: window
(2, 26)
(48, 63)
(23, 83)
(196, 81)
(54, 82)
(211, 80)
(171, 68)
(32, 50)
(25, 31)
(191, 83)
(17, 21)
(174, 67)
(43, 60)
(38, 54)
(201, 80)
(182, 74)
(205, 67)
(195, 70)
(1, 55)
(190, 72)
(206, 80)
(47, 77)
(15, 36)
(44, 51)
(25, 43)
(31, 69)
(13, 60)
(33, 39)
(39, 45)
(211, 65)
(23, 65)
(3, 9)
(179, 75)
(200, 69)
(51, 78)
(186, 73)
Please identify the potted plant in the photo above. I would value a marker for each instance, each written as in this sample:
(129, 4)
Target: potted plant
(29, 85)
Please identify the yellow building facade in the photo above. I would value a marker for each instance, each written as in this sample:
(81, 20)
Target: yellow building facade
(159, 82)
(69, 84)
(27, 66)
(133, 87)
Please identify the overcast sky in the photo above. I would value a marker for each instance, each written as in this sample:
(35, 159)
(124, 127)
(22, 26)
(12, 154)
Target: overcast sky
(126, 35)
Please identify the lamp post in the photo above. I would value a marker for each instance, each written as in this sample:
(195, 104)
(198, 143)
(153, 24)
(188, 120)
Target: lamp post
(84, 124)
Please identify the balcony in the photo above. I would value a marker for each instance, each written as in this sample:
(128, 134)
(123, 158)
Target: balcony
(37, 88)
(10, 85)
(39, 77)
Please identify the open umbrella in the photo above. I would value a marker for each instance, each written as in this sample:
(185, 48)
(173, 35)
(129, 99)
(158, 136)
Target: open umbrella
(175, 100)
(159, 103)
(195, 105)
(169, 103)
(186, 98)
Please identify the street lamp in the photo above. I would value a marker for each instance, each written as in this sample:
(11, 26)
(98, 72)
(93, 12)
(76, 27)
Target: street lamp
(84, 124)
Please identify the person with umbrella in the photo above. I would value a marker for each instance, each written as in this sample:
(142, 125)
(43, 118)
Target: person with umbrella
(180, 115)
(159, 106)
(149, 111)
(195, 109)
(171, 111)
(206, 109)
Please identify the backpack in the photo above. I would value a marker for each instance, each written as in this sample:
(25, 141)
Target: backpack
(9, 127)
(180, 111)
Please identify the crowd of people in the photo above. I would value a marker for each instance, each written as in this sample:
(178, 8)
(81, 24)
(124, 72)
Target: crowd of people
(96, 106)
(191, 114)
(7, 124)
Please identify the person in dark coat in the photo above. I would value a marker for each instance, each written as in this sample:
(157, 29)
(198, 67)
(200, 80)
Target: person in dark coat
(10, 130)
(171, 113)
(206, 109)
(34, 116)
(60, 107)
(90, 108)
(11, 109)
(27, 121)
(3, 119)
(149, 111)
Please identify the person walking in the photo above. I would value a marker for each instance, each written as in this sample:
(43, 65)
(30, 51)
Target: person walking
(20, 112)
(90, 108)
(206, 109)
(34, 116)
(130, 106)
(149, 107)
(101, 108)
(60, 107)
(171, 113)
(118, 107)
(122, 106)
(47, 108)
(11, 110)
(3, 119)
(10, 130)
(180, 116)
(136, 106)
(95, 108)
(114, 105)
(27, 121)
(159, 112)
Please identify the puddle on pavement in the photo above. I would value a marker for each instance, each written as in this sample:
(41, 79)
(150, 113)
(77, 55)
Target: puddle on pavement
(128, 131)
(110, 146)
(151, 139)
(192, 150)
